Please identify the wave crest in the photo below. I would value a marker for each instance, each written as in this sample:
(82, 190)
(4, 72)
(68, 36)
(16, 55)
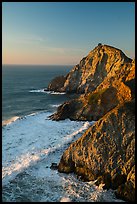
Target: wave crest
(37, 91)
(47, 92)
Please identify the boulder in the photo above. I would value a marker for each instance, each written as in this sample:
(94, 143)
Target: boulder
(54, 166)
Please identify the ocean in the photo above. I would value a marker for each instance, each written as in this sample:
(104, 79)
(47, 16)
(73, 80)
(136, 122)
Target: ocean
(31, 142)
(23, 89)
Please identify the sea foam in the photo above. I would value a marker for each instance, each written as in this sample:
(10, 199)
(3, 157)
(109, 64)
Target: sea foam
(30, 145)
(47, 92)
(31, 138)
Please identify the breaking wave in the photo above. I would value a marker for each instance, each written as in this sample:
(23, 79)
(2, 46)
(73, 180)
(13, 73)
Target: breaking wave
(34, 136)
(47, 92)
(30, 145)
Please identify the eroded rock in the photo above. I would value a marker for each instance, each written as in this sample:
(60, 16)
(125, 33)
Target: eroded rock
(57, 83)
(105, 81)
(105, 78)
(106, 152)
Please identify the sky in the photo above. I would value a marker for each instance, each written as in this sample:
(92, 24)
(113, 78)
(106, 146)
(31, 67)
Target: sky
(62, 33)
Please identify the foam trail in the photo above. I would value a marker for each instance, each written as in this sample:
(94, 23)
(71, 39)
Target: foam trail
(55, 93)
(47, 92)
(37, 91)
(55, 105)
(9, 121)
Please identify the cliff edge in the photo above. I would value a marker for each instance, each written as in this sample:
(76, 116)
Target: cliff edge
(105, 78)
(106, 152)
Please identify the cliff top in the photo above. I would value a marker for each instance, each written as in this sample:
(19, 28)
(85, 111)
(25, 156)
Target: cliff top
(109, 50)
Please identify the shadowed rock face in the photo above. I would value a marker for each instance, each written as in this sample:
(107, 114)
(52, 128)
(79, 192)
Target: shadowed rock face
(57, 83)
(106, 152)
(67, 110)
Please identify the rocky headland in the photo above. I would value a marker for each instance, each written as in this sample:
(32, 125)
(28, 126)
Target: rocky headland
(105, 80)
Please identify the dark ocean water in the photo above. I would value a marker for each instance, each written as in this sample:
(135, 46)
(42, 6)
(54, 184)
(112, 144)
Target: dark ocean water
(18, 82)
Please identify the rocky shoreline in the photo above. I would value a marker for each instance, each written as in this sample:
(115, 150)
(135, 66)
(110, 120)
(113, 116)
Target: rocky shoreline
(105, 78)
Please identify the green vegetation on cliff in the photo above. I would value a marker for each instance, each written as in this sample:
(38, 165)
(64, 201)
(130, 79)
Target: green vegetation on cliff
(94, 97)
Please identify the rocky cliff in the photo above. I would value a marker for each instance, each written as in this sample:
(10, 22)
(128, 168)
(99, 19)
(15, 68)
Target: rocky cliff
(56, 83)
(106, 152)
(105, 78)
(101, 62)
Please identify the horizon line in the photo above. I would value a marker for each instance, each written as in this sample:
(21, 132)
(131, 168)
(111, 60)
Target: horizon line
(40, 64)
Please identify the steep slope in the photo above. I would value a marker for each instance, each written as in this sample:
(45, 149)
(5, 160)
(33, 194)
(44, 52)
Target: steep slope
(102, 61)
(106, 152)
(56, 83)
(117, 87)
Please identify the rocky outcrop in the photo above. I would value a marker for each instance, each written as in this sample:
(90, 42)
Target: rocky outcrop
(114, 88)
(95, 104)
(106, 152)
(102, 61)
(56, 83)
(69, 109)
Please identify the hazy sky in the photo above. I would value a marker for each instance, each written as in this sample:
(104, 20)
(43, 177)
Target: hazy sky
(64, 32)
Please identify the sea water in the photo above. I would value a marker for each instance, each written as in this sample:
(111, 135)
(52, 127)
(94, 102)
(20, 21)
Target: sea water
(31, 142)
